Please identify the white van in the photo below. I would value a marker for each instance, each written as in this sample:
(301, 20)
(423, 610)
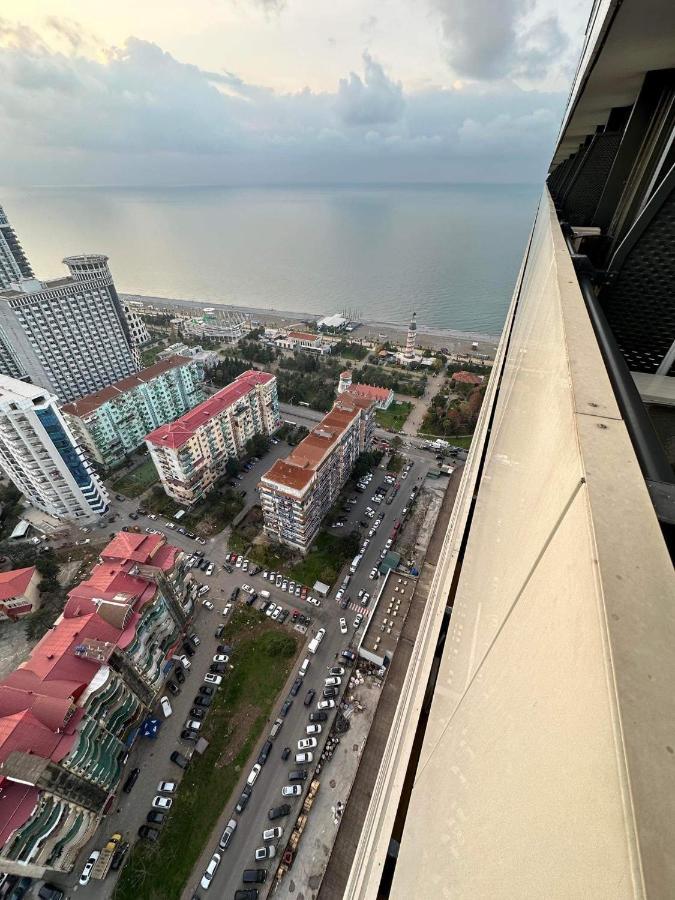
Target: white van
(264, 594)
(303, 668)
(166, 707)
(313, 646)
(355, 563)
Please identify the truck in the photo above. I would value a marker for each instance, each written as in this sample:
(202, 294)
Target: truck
(104, 861)
(355, 563)
(313, 646)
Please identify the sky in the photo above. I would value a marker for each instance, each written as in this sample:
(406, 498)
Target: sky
(161, 92)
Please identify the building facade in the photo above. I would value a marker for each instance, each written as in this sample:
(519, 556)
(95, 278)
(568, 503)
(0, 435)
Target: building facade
(191, 453)
(70, 335)
(138, 332)
(70, 713)
(225, 326)
(19, 593)
(380, 396)
(297, 492)
(113, 422)
(304, 340)
(41, 456)
(13, 262)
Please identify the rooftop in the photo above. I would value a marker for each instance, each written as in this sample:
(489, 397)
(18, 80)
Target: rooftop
(369, 390)
(88, 404)
(304, 336)
(467, 378)
(177, 433)
(297, 470)
(14, 583)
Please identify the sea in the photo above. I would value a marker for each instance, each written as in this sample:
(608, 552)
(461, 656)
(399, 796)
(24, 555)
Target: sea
(449, 252)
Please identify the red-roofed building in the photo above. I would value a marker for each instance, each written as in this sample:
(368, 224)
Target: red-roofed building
(467, 378)
(70, 712)
(381, 397)
(303, 340)
(191, 453)
(18, 592)
(298, 491)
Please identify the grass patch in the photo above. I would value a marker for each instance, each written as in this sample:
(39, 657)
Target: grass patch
(463, 440)
(327, 555)
(136, 482)
(395, 463)
(262, 658)
(395, 416)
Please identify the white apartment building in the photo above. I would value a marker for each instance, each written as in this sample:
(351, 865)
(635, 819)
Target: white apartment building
(191, 453)
(297, 492)
(138, 331)
(69, 335)
(40, 455)
(13, 262)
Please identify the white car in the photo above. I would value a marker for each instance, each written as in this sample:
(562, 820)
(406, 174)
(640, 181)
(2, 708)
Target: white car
(221, 657)
(166, 706)
(339, 594)
(333, 681)
(227, 610)
(210, 678)
(374, 574)
(371, 533)
(321, 634)
(247, 588)
(208, 605)
(291, 790)
(305, 757)
(307, 743)
(277, 612)
(162, 802)
(244, 566)
(89, 865)
(207, 877)
(184, 661)
(193, 724)
(314, 601)
(343, 626)
(271, 834)
(265, 852)
(272, 608)
(326, 704)
(313, 729)
(238, 562)
(167, 787)
(253, 774)
(358, 620)
(388, 544)
(204, 589)
(209, 569)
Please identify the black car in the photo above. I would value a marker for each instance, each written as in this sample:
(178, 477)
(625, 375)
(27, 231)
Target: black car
(278, 811)
(330, 692)
(284, 709)
(118, 856)
(309, 696)
(297, 684)
(286, 752)
(148, 833)
(298, 775)
(187, 734)
(234, 594)
(120, 497)
(246, 894)
(320, 716)
(218, 668)
(154, 817)
(131, 780)
(283, 615)
(265, 752)
(50, 892)
(344, 603)
(348, 654)
(228, 568)
(197, 712)
(219, 630)
(179, 759)
(188, 648)
(224, 648)
(179, 675)
(207, 689)
(202, 701)
(244, 798)
(173, 688)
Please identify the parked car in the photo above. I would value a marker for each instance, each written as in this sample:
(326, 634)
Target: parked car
(173, 688)
(203, 701)
(297, 684)
(210, 871)
(307, 743)
(268, 852)
(187, 734)
(197, 712)
(318, 716)
(167, 787)
(89, 865)
(309, 697)
(343, 626)
(305, 757)
(285, 753)
(226, 836)
(271, 834)
(277, 812)
(131, 780)
(155, 818)
(332, 681)
(179, 759)
(291, 790)
(118, 856)
(244, 798)
(285, 707)
(210, 678)
(160, 802)
(325, 704)
(330, 692)
(179, 675)
(336, 670)
(265, 752)
(253, 774)
(148, 833)
(313, 729)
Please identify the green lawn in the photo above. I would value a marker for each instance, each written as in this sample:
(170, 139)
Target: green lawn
(136, 482)
(395, 463)
(262, 658)
(325, 559)
(395, 416)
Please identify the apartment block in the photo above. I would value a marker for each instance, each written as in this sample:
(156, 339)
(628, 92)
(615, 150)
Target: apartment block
(113, 422)
(41, 456)
(19, 593)
(70, 713)
(13, 262)
(191, 453)
(297, 492)
(69, 335)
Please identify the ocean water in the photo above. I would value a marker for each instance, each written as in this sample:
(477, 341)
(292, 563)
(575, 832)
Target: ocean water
(449, 252)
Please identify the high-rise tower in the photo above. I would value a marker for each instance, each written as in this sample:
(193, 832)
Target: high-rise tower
(13, 262)
(411, 337)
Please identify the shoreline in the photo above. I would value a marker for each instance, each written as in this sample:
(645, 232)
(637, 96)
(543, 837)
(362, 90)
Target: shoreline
(435, 337)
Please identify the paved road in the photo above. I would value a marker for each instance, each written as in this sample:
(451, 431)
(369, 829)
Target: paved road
(152, 757)
(267, 790)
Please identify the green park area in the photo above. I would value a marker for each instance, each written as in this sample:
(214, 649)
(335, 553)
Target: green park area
(138, 480)
(393, 418)
(262, 657)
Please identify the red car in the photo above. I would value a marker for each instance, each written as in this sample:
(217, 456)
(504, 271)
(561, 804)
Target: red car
(303, 592)
(295, 613)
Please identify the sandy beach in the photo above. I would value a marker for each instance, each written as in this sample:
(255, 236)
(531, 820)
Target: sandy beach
(428, 337)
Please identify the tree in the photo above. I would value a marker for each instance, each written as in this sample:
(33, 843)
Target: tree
(232, 466)
(396, 442)
(258, 445)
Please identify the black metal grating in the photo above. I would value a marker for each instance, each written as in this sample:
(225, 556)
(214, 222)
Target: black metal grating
(640, 302)
(558, 177)
(584, 193)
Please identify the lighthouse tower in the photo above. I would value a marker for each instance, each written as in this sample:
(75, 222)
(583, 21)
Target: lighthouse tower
(345, 381)
(410, 339)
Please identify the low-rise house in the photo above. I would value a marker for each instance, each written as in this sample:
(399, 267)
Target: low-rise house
(19, 592)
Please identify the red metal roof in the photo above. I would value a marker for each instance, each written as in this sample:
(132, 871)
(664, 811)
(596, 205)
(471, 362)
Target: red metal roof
(130, 545)
(175, 434)
(370, 391)
(13, 584)
(17, 802)
(467, 378)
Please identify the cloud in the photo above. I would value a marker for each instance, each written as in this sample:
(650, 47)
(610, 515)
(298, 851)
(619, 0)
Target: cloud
(374, 100)
(488, 40)
(77, 111)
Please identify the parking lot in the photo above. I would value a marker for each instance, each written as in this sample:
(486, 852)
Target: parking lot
(152, 756)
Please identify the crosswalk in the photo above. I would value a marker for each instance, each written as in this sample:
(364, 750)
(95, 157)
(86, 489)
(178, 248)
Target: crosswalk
(356, 607)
